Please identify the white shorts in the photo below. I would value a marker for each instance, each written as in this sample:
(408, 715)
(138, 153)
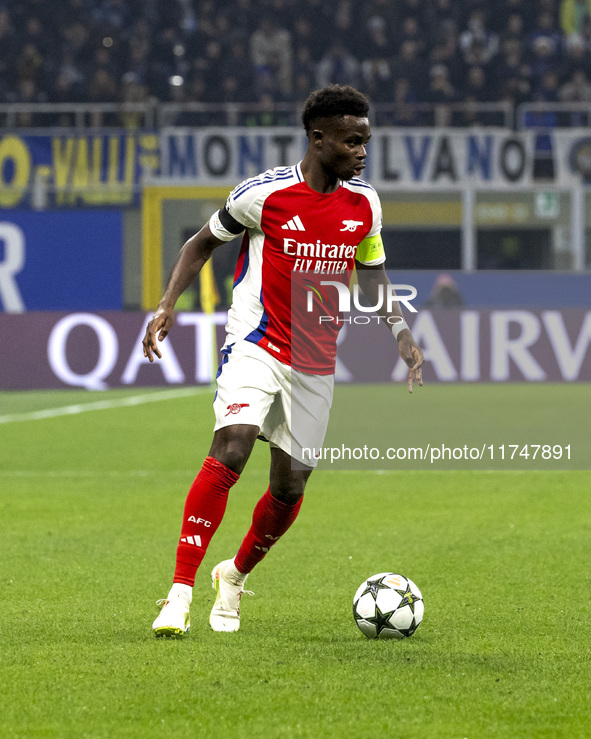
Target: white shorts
(290, 408)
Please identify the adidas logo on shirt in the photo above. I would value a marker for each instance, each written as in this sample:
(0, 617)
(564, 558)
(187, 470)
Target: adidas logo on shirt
(195, 540)
(294, 224)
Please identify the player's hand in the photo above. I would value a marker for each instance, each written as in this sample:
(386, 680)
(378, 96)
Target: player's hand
(162, 322)
(413, 356)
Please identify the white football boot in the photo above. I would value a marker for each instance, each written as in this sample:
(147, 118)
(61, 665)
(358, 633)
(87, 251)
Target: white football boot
(225, 614)
(173, 619)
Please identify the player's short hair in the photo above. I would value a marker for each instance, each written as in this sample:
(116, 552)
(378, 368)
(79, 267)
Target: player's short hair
(334, 101)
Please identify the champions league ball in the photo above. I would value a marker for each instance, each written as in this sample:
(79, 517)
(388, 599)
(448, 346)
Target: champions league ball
(388, 606)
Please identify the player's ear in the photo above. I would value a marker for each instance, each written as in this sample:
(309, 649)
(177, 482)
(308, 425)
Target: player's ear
(316, 136)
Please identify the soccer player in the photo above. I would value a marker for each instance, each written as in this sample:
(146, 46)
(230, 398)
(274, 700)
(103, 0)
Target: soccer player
(314, 218)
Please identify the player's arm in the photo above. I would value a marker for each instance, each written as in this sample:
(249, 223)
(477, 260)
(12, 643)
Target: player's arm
(370, 278)
(194, 254)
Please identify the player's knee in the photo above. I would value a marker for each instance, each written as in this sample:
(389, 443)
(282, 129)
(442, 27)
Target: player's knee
(289, 497)
(289, 491)
(232, 446)
(233, 454)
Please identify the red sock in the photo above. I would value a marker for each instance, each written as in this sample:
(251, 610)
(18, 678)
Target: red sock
(204, 510)
(270, 520)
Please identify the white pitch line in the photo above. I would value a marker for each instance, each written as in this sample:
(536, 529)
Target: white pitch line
(95, 473)
(103, 405)
(184, 473)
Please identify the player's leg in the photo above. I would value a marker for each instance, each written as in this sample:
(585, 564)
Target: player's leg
(205, 506)
(275, 512)
(207, 498)
(273, 515)
(246, 388)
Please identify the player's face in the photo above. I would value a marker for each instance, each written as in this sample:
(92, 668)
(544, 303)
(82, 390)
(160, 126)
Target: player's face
(343, 150)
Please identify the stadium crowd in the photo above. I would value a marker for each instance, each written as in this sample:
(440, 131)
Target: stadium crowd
(270, 51)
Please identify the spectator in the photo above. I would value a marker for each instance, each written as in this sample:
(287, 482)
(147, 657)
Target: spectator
(64, 90)
(476, 89)
(577, 89)
(509, 65)
(514, 90)
(245, 14)
(133, 91)
(411, 31)
(193, 91)
(477, 42)
(376, 80)
(416, 9)
(447, 52)
(35, 34)
(586, 34)
(577, 57)
(513, 31)
(164, 59)
(9, 46)
(102, 87)
(478, 53)
(104, 58)
(337, 66)
(320, 15)
(210, 65)
(405, 99)
(236, 63)
(408, 64)
(266, 113)
(244, 45)
(545, 28)
(543, 59)
(545, 91)
(375, 68)
(445, 294)
(71, 71)
(204, 31)
(304, 36)
(500, 18)
(139, 46)
(346, 27)
(271, 53)
(376, 43)
(440, 88)
(30, 64)
(76, 41)
(304, 73)
(111, 16)
(573, 14)
(29, 93)
(385, 9)
(443, 20)
(71, 11)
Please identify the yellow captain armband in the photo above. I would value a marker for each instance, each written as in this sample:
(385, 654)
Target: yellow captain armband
(371, 250)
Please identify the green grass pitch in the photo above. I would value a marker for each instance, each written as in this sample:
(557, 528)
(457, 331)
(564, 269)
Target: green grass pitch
(90, 509)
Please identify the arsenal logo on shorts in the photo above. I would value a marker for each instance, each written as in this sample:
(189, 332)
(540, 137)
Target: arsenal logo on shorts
(236, 407)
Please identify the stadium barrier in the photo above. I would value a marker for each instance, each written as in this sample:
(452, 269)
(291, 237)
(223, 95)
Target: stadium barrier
(147, 116)
(442, 178)
(103, 350)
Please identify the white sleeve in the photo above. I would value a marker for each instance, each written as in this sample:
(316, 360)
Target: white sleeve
(244, 205)
(376, 209)
(245, 202)
(218, 230)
